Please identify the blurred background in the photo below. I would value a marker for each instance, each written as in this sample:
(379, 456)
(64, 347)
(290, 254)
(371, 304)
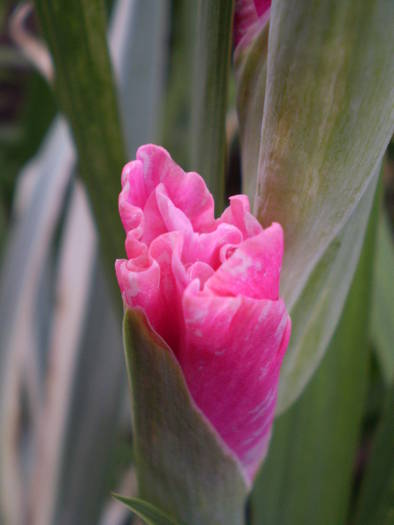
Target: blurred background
(65, 428)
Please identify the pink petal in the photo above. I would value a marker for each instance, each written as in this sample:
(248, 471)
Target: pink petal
(187, 191)
(206, 247)
(133, 184)
(253, 269)
(166, 250)
(154, 281)
(238, 214)
(140, 286)
(161, 216)
(262, 6)
(200, 271)
(231, 356)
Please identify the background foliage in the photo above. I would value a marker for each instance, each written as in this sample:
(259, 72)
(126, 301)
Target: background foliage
(65, 429)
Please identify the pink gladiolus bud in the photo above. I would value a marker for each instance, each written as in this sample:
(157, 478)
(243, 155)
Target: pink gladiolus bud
(210, 288)
(250, 16)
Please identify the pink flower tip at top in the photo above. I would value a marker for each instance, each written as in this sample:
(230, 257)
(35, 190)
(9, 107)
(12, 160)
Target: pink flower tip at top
(249, 17)
(210, 288)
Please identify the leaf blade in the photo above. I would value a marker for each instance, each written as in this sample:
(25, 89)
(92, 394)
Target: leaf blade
(375, 504)
(76, 35)
(308, 474)
(328, 117)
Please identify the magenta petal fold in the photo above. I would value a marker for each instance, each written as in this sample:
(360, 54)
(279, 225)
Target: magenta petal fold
(249, 17)
(210, 288)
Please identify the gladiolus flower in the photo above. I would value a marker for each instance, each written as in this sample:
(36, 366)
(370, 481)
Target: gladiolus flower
(210, 289)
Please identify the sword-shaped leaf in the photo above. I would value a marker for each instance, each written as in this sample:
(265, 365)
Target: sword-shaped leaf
(327, 118)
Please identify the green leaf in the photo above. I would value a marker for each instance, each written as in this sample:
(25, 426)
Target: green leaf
(376, 502)
(210, 83)
(182, 466)
(76, 34)
(148, 512)
(315, 314)
(382, 327)
(251, 73)
(307, 477)
(140, 31)
(328, 115)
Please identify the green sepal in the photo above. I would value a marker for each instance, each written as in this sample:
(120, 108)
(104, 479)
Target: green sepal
(182, 465)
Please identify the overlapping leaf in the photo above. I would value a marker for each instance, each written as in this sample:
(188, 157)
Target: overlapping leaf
(307, 477)
(328, 116)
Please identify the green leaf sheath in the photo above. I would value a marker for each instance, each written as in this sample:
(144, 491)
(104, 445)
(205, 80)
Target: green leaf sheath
(210, 80)
(149, 513)
(307, 477)
(182, 466)
(75, 31)
(328, 116)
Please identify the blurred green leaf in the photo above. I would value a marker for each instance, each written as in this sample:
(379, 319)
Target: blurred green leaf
(93, 401)
(3, 229)
(148, 512)
(29, 96)
(210, 88)
(382, 325)
(182, 467)
(328, 117)
(26, 254)
(178, 100)
(75, 31)
(139, 32)
(376, 501)
(307, 477)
